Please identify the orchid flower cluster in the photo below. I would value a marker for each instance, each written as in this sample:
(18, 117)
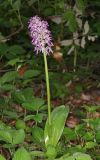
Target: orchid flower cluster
(41, 36)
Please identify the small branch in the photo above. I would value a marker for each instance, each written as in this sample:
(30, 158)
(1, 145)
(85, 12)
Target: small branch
(7, 38)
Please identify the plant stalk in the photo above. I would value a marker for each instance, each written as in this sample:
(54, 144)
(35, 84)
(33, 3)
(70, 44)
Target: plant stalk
(48, 88)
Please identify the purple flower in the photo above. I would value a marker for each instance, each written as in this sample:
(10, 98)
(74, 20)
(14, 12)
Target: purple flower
(41, 36)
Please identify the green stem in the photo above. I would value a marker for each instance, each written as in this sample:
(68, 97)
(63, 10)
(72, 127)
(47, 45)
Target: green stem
(48, 88)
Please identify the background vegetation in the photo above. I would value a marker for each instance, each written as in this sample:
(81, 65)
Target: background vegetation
(74, 71)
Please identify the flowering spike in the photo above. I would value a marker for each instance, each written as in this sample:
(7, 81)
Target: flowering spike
(41, 36)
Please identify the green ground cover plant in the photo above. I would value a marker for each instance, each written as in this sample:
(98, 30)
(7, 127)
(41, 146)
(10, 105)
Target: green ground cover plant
(48, 64)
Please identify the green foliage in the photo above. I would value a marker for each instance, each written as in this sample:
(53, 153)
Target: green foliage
(52, 133)
(34, 105)
(2, 158)
(76, 156)
(80, 4)
(51, 152)
(31, 74)
(75, 27)
(38, 134)
(22, 154)
(70, 17)
(12, 136)
(16, 5)
(8, 77)
(20, 124)
(69, 133)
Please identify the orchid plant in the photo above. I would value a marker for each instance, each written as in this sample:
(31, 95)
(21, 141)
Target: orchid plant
(42, 41)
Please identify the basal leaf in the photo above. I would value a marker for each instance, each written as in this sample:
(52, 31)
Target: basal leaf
(52, 133)
(37, 134)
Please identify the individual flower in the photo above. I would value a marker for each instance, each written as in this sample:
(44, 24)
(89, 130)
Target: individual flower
(41, 36)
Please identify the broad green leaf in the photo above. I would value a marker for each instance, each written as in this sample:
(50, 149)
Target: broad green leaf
(38, 117)
(80, 4)
(69, 15)
(76, 156)
(4, 127)
(6, 136)
(90, 145)
(12, 62)
(66, 157)
(2, 158)
(8, 77)
(18, 136)
(7, 145)
(34, 105)
(18, 97)
(53, 132)
(31, 73)
(7, 87)
(88, 136)
(29, 117)
(25, 95)
(69, 133)
(14, 51)
(81, 156)
(22, 154)
(38, 134)
(10, 114)
(28, 94)
(48, 11)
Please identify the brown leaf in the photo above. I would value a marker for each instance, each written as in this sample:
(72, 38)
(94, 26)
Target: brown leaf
(72, 121)
(85, 97)
(66, 42)
(58, 56)
(86, 28)
(83, 42)
(71, 50)
(56, 19)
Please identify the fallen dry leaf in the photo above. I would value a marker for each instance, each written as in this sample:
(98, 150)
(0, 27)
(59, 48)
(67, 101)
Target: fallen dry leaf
(58, 56)
(85, 97)
(72, 121)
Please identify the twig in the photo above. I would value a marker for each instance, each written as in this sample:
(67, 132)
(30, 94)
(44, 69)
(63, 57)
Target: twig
(7, 38)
